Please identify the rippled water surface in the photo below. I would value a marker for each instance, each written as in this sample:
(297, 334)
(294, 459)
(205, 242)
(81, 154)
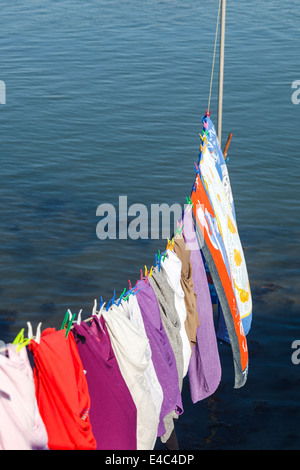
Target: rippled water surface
(105, 99)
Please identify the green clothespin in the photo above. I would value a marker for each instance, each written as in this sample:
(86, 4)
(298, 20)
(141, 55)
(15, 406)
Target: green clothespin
(67, 322)
(120, 299)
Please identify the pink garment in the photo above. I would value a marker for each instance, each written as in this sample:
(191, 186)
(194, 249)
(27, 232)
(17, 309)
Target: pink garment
(21, 425)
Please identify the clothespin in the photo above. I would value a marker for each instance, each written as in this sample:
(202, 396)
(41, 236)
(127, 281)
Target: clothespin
(136, 291)
(67, 322)
(79, 317)
(131, 289)
(189, 200)
(120, 299)
(112, 301)
(169, 246)
(179, 228)
(146, 271)
(100, 310)
(159, 263)
(155, 259)
(150, 274)
(37, 337)
(20, 341)
(94, 311)
(207, 114)
(196, 168)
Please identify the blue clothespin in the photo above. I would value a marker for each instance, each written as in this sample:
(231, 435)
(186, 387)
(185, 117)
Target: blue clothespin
(112, 301)
(159, 263)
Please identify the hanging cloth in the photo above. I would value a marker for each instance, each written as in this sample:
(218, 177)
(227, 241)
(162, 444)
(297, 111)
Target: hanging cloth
(172, 267)
(130, 347)
(206, 224)
(113, 413)
(190, 298)
(131, 309)
(205, 367)
(21, 425)
(162, 354)
(214, 161)
(62, 391)
(171, 322)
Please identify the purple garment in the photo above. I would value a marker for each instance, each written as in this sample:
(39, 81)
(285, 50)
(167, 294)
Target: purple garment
(162, 353)
(113, 413)
(205, 367)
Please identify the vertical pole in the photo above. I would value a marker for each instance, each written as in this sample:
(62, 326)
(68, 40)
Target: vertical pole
(221, 69)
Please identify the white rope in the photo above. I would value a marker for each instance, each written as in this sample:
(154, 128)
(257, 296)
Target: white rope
(213, 64)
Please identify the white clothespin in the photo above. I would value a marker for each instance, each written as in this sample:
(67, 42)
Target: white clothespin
(101, 310)
(37, 337)
(79, 317)
(94, 311)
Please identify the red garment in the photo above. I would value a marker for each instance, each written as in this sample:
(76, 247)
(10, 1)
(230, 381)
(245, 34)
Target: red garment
(62, 391)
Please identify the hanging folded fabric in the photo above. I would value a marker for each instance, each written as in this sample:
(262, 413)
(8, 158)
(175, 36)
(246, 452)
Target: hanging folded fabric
(172, 270)
(131, 310)
(129, 346)
(62, 391)
(205, 367)
(21, 425)
(205, 220)
(190, 298)
(113, 412)
(162, 355)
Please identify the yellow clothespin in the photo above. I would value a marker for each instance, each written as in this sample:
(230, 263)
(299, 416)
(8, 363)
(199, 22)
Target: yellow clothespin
(203, 138)
(146, 271)
(20, 340)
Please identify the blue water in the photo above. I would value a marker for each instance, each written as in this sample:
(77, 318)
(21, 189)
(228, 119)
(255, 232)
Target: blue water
(105, 99)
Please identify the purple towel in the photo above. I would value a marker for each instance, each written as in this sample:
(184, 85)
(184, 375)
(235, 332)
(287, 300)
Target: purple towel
(205, 367)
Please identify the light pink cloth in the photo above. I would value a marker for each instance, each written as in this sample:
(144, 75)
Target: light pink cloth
(21, 425)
